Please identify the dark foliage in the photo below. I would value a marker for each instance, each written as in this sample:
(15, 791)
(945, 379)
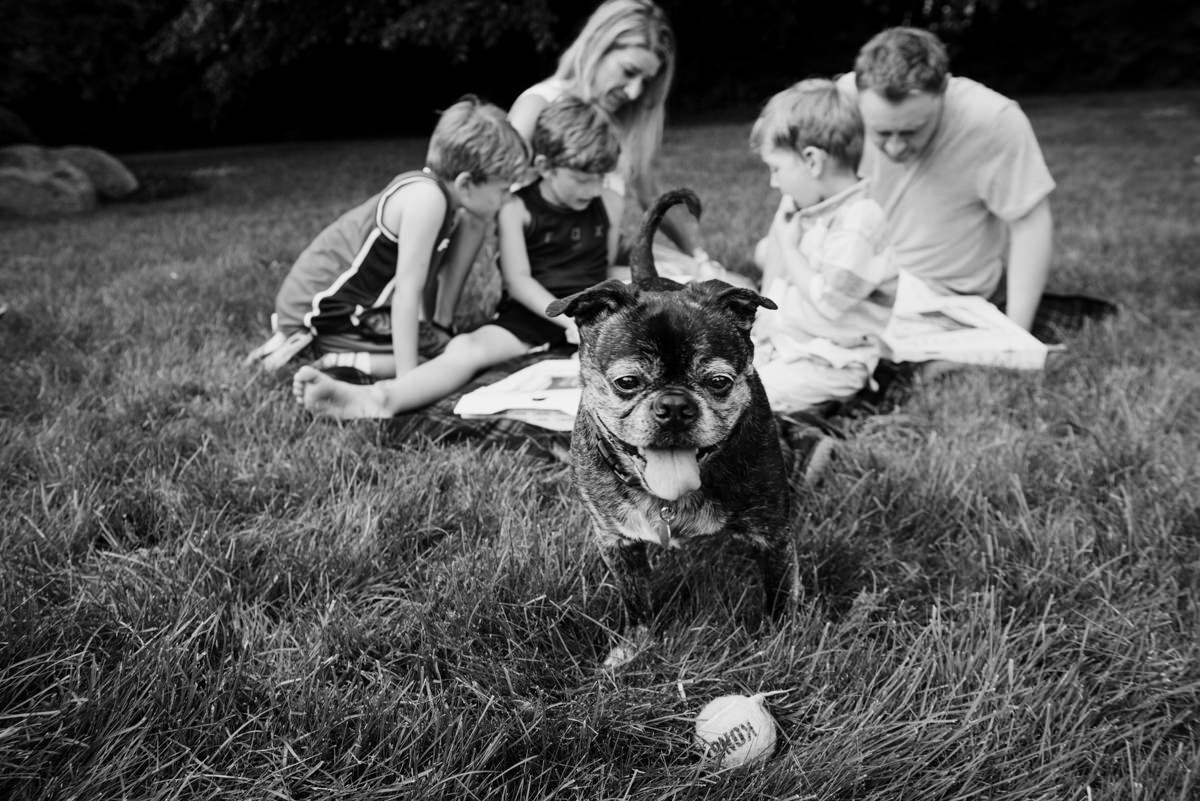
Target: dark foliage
(138, 74)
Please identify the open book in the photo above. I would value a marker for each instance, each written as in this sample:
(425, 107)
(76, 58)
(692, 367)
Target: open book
(959, 328)
(544, 394)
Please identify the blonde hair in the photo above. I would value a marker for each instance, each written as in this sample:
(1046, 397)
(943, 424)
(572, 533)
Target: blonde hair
(476, 138)
(616, 24)
(811, 113)
(576, 134)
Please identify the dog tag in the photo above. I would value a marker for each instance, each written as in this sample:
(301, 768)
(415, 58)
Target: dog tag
(663, 527)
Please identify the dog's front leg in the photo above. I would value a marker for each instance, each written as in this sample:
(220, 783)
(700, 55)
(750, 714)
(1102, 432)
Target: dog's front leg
(630, 568)
(779, 577)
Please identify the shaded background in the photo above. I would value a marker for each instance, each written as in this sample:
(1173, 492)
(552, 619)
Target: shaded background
(151, 74)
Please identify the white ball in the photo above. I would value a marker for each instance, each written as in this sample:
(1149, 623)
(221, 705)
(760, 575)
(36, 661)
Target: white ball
(735, 730)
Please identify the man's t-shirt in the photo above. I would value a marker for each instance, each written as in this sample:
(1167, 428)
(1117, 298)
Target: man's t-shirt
(949, 210)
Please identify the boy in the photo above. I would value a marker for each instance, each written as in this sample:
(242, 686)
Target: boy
(365, 293)
(555, 239)
(826, 262)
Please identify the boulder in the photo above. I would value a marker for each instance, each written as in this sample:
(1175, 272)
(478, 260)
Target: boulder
(26, 157)
(111, 178)
(33, 182)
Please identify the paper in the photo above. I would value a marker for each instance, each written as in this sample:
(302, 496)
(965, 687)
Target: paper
(544, 394)
(959, 328)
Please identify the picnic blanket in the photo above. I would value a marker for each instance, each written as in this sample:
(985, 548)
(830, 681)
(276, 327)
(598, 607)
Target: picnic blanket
(438, 422)
(893, 383)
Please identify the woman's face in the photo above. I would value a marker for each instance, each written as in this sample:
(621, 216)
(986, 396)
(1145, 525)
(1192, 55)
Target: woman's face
(622, 75)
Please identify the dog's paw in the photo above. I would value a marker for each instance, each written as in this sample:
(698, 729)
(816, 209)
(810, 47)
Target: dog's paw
(628, 648)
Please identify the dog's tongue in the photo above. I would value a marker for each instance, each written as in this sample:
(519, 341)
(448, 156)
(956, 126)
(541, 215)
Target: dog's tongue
(671, 473)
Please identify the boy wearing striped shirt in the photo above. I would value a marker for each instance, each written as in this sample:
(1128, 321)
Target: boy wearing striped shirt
(826, 260)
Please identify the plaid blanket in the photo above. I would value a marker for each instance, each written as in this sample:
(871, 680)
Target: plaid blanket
(439, 423)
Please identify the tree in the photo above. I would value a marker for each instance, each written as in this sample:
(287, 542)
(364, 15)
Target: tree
(233, 41)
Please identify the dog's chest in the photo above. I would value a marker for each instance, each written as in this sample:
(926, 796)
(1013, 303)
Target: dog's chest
(670, 524)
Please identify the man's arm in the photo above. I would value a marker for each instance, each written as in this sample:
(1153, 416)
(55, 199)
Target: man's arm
(1031, 244)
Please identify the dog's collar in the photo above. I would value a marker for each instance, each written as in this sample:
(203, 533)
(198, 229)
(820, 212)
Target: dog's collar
(609, 454)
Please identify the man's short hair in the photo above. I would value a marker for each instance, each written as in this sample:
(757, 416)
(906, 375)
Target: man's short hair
(899, 61)
(476, 138)
(811, 113)
(573, 133)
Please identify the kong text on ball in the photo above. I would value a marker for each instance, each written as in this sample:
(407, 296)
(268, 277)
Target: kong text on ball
(735, 730)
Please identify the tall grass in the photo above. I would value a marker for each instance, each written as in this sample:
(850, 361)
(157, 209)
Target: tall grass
(205, 594)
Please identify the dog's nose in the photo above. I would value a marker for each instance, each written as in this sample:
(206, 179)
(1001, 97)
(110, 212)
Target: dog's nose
(674, 407)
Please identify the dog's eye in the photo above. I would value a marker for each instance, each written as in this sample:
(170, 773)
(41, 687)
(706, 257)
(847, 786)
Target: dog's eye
(627, 383)
(720, 382)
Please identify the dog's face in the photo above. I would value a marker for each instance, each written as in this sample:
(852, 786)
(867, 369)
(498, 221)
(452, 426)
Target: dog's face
(665, 370)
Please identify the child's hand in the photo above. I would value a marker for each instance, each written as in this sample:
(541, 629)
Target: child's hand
(785, 228)
(572, 333)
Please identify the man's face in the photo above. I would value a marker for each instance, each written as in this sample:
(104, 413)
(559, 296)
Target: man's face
(901, 130)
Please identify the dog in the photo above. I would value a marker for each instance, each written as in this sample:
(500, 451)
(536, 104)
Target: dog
(674, 441)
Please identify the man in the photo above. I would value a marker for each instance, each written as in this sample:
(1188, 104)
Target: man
(958, 171)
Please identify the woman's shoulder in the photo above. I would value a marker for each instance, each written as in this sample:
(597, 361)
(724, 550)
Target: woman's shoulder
(548, 90)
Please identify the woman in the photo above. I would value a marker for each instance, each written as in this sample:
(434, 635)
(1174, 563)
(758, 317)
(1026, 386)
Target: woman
(623, 60)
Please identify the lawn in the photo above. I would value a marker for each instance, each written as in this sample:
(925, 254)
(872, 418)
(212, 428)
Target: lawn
(206, 594)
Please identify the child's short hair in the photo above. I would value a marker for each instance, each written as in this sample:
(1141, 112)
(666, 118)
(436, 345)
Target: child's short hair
(899, 61)
(811, 113)
(476, 138)
(573, 133)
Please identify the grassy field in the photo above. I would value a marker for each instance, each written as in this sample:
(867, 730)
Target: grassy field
(206, 594)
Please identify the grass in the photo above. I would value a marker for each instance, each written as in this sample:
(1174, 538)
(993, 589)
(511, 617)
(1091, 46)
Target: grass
(205, 594)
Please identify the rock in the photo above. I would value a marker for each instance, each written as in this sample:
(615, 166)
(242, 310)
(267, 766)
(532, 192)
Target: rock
(13, 129)
(26, 157)
(111, 178)
(33, 182)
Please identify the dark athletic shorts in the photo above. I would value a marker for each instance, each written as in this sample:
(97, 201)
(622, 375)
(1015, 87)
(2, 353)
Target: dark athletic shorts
(528, 327)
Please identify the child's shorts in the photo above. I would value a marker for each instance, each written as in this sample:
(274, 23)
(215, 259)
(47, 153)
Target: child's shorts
(372, 333)
(530, 328)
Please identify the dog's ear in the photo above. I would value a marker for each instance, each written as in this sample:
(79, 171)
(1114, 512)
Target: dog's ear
(740, 303)
(593, 303)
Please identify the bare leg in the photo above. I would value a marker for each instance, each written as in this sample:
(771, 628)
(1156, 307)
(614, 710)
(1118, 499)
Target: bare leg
(426, 383)
(325, 396)
(379, 365)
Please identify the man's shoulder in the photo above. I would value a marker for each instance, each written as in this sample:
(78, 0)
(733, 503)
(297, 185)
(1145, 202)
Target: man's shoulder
(975, 104)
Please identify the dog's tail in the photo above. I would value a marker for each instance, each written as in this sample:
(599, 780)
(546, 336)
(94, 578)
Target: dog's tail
(641, 258)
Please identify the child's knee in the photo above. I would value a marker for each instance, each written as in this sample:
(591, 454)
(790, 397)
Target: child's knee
(462, 346)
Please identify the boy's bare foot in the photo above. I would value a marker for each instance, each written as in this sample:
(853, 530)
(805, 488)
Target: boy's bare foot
(325, 396)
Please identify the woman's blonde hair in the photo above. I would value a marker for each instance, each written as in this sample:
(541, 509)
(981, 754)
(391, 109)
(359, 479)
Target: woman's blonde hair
(613, 25)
